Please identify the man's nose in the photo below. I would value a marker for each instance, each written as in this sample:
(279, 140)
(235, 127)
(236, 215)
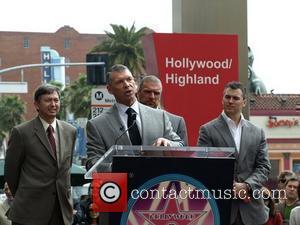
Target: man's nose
(152, 95)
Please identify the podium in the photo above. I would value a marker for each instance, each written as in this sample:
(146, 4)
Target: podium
(171, 185)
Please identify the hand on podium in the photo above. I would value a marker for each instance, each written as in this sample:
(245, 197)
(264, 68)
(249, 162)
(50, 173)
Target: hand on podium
(162, 142)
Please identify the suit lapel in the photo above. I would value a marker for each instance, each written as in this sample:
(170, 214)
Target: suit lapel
(41, 134)
(223, 129)
(244, 142)
(62, 136)
(144, 122)
(116, 124)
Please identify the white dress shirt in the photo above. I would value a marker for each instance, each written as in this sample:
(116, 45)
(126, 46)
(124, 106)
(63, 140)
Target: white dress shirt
(124, 117)
(235, 130)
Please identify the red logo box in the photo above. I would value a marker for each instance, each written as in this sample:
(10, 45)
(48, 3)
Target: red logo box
(109, 192)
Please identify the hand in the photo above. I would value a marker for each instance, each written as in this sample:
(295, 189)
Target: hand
(162, 142)
(241, 191)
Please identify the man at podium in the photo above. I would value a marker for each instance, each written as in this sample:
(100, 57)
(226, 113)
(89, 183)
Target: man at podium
(127, 122)
(252, 165)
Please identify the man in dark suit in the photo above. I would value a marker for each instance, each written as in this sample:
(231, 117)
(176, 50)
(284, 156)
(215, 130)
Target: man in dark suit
(149, 93)
(151, 126)
(38, 165)
(252, 165)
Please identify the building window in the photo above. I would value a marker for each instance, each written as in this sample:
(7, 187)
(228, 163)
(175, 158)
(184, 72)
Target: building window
(296, 166)
(68, 80)
(275, 168)
(67, 60)
(67, 43)
(26, 42)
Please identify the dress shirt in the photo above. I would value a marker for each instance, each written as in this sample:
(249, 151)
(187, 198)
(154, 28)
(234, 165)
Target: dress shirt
(235, 130)
(53, 124)
(124, 117)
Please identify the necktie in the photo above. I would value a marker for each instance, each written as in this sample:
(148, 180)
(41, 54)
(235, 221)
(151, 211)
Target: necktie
(133, 129)
(50, 134)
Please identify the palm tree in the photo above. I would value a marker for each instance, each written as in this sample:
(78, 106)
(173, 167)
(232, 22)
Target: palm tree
(77, 97)
(12, 110)
(124, 46)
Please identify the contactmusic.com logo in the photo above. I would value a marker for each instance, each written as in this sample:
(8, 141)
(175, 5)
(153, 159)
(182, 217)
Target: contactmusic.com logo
(109, 192)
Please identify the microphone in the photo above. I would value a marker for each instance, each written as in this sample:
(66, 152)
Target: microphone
(122, 128)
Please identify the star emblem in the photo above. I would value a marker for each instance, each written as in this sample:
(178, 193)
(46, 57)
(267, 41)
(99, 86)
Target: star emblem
(171, 214)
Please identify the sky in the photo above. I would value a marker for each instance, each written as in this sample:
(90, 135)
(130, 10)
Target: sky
(274, 37)
(273, 33)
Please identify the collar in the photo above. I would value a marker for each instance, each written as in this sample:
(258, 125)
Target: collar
(122, 108)
(228, 120)
(46, 125)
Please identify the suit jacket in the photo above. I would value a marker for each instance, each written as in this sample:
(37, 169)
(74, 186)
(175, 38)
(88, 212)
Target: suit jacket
(35, 177)
(179, 127)
(104, 130)
(251, 166)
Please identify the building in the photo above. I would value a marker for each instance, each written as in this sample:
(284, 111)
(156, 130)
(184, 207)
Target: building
(21, 48)
(279, 116)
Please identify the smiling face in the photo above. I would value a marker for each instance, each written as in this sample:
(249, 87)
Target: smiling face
(48, 106)
(123, 87)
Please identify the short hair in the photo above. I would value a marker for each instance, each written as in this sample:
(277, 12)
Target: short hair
(149, 78)
(45, 89)
(292, 178)
(115, 68)
(236, 85)
(284, 175)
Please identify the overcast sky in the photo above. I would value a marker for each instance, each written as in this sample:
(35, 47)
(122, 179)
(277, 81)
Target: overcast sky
(273, 32)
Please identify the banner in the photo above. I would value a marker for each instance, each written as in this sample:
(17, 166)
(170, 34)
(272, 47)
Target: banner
(193, 69)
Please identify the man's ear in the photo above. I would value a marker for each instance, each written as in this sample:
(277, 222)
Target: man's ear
(36, 105)
(108, 87)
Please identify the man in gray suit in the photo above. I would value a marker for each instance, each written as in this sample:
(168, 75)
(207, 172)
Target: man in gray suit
(152, 126)
(38, 164)
(252, 165)
(149, 93)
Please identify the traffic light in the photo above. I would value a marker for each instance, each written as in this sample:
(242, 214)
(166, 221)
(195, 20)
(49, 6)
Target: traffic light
(96, 74)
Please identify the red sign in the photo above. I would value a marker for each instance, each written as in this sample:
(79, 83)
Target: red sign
(110, 192)
(274, 122)
(193, 69)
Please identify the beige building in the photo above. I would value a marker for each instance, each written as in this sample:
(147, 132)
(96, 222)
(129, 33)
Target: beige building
(279, 116)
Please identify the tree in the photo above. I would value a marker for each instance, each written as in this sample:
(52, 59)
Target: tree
(12, 110)
(77, 97)
(124, 47)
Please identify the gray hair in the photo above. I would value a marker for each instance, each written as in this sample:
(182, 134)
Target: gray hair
(149, 78)
(115, 68)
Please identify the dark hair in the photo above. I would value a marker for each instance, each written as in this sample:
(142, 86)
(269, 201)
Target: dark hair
(271, 204)
(284, 175)
(45, 89)
(292, 178)
(236, 85)
(115, 68)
